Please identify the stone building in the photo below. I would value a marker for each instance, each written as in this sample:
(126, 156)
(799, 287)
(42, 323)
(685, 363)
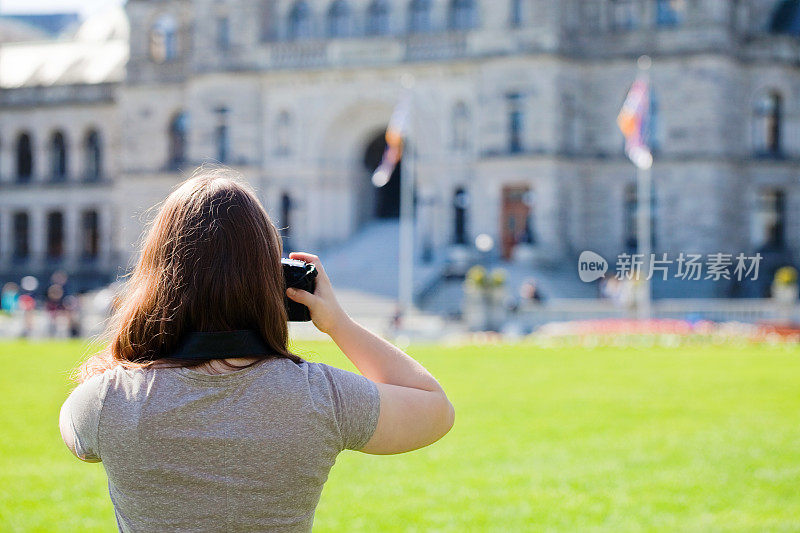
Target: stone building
(59, 152)
(513, 128)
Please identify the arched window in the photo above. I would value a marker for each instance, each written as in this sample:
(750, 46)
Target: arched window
(283, 128)
(340, 21)
(462, 15)
(24, 151)
(269, 21)
(767, 123)
(55, 235)
(93, 156)
(624, 14)
(221, 135)
(669, 12)
(90, 234)
(460, 206)
(164, 39)
(378, 18)
(58, 157)
(223, 33)
(299, 26)
(571, 131)
(517, 15)
(419, 18)
(770, 220)
(516, 122)
(785, 17)
(21, 224)
(177, 140)
(461, 126)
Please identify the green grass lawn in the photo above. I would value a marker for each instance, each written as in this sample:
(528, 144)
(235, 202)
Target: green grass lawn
(567, 439)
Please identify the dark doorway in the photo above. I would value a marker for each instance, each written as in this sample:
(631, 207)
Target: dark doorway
(55, 235)
(91, 235)
(515, 221)
(460, 204)
(177, 140)
(93, 156)
(21, 236)
(58, 157)
(24, 158)
(286, 221)
(387, 198)
(771, 217)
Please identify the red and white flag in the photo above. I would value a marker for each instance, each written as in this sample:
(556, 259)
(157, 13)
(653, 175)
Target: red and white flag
(633, 121)
(395, 135)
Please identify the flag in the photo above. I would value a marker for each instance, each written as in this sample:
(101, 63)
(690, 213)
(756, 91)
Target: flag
(395, 135)
(633, 121)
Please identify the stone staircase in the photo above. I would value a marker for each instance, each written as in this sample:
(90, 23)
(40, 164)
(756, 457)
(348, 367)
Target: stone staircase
(364, 271)
(369, 262)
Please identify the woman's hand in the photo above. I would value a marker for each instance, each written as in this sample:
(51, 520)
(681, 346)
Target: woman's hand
(326, 313)
(414, 410)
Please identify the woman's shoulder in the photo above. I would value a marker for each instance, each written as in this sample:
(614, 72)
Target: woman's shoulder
(121, 379)
(313, 369)
(100, 380)
(317, 376)
(334, 380)
(89, 395)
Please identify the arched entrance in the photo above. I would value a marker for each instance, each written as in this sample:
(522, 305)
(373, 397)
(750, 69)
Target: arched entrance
(386, 199)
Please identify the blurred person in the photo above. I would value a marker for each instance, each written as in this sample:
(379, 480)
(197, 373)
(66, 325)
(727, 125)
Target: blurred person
(609, 287)
(396, 320)
(54, 305)
(72, 308)
(27, 304)
(9, 297)
(59, 277)
(529, 292)
(209, 422)
(621, 292)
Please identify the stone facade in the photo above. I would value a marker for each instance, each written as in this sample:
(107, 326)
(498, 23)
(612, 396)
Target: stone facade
(513, 100)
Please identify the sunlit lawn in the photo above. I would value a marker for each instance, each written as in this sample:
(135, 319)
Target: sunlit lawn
(569, 439)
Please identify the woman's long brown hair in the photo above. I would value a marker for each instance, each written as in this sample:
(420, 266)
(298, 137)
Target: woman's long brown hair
(210, 261)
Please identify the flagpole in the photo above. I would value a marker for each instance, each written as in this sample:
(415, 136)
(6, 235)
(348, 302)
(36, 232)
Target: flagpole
(644, 187)
(406, 253)
(408, 178)
(644, 221)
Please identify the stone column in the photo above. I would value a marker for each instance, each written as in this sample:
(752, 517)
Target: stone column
(5, 238)
(72, 239)
(648, 15)
(41, 157)
(6, 163)
(74, 156)
(105, 228)
(37, 238)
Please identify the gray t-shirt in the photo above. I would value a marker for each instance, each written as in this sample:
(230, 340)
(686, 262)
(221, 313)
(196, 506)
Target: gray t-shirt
(244, 451)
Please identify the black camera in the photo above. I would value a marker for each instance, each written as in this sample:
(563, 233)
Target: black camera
(299, 275)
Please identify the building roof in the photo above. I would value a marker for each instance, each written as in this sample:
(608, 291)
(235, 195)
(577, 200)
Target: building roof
(97, 53)
(50, 24)
(13, 30)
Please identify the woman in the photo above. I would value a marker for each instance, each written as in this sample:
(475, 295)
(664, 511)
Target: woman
(202, 417)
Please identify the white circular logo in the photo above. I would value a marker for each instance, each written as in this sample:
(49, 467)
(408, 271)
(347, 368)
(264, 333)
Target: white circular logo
(591, 266)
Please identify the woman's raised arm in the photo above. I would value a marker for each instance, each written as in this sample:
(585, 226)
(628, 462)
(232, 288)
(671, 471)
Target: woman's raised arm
(415, 411)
